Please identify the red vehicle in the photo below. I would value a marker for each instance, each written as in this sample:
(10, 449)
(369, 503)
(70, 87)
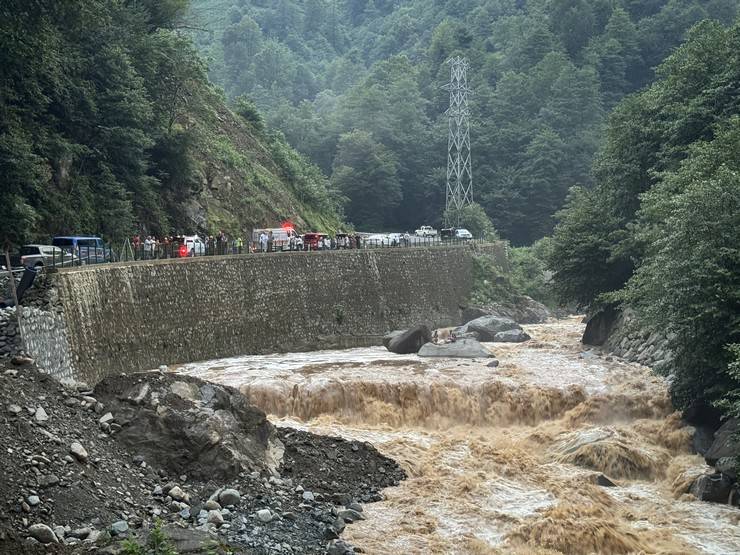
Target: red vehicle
(313, 241)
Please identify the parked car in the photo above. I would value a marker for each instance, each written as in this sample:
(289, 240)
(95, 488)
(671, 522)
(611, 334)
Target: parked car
(377, 240)
(312, 241)
(463, 233)
(395, 239)
(426, 231)
(38, 256)
(283, 238)
(191, 245)
(90, 250)
(447, 233)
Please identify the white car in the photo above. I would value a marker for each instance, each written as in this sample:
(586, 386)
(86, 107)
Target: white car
(426, 231)
(192, 245)
(377, 240)
(463, 233)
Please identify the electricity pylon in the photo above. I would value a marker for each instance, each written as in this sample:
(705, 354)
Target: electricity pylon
(459, 165)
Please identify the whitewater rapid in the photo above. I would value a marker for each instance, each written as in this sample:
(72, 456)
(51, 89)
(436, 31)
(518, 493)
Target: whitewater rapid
(502, 459)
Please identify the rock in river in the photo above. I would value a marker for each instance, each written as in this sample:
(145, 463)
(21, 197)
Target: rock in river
(464, 348)
(511, 336)
(488, 326)
(409, 341)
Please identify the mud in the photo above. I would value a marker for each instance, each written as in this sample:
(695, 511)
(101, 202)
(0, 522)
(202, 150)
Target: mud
(503, 460)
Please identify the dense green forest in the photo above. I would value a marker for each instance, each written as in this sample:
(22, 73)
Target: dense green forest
(109, 125)
(356, 86)
(660, 231)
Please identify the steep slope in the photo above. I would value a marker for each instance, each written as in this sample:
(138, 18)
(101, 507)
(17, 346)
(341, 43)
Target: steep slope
(108, 125)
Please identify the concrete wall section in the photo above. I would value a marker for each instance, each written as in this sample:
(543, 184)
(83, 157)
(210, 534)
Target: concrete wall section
(121, 318)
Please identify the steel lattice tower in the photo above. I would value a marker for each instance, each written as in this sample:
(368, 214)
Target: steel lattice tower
(459, 165)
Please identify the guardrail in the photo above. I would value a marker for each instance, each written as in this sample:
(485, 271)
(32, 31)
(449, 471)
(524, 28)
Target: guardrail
(173, 250)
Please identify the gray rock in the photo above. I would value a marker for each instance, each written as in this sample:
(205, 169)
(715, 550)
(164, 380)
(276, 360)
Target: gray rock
(79, 452)
(40, 415)
(80, 533)
(14, 409)
(387, 338)
(493, 364)
(511, 336)
(33, 500)
(42, 533)
(308, 496)
(229, 497)
(212, 505)
(119, 527)
(215, 518)
(464, 348)
(410, 341)
(264, 515)
(107, 418)
(157, 490)
(355, 507)
(349, 515)
(727, 466)
(48, 480)
(177, 494)
(488, 326)
(473, 313)
(724, 444)
(712, 487)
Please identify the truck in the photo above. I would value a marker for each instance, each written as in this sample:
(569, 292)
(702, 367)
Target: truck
(283, 238)
(426, 231)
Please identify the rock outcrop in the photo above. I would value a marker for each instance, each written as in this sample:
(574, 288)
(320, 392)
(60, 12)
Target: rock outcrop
(463, 348)
(188, 426)
(511, 336)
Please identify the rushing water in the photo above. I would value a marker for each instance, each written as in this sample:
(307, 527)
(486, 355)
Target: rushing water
(502, 460)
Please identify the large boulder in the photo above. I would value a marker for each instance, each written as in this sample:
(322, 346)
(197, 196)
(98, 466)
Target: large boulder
(511, 336)
(410, 341)
(188, 426)
(712, 487)
(522, 309)
(724, 445)
(464, 348)
(388, 337)
(488, 326)
(600, 325)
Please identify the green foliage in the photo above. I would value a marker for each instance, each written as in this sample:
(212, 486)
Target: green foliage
(248, 111)
(473, 218)
(490, 282)
(530, 274)
(366, 173)
(157, 544)
(107, 119)
(544, 75)
(689, 282)
(659, 231)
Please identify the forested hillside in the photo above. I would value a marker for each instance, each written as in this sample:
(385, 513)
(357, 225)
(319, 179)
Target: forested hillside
(660, 232)
(356, 86)
(108, 125)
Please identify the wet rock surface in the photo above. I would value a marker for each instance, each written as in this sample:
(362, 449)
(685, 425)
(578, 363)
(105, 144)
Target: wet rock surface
(463, 348)
(409, 341)
(77, 487)
(488, 326)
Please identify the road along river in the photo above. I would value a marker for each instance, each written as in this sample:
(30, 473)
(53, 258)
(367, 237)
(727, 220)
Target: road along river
(506, 459)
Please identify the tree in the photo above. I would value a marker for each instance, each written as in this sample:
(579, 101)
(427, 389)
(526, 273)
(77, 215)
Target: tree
(366, 173)
(473, 218)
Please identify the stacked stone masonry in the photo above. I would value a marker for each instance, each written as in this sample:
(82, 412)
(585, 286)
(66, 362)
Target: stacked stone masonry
(127, 317)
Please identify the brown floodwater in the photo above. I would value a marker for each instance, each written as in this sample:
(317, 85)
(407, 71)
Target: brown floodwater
(502, 460)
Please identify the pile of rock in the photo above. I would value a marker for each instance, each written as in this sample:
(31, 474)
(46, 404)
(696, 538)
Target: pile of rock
(468, 337)
(74, 475)
(9, 334)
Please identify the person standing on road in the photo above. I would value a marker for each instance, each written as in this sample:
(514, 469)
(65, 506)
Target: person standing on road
(263, 242)
(270, 241)
(148, 247)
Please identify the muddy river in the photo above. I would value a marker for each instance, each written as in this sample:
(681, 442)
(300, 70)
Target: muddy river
(506, 459)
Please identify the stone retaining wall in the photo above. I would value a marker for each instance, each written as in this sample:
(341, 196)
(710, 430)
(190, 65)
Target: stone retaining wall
(126, 317)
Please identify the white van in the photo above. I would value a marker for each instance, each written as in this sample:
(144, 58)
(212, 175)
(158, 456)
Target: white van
(283, 238)
(192, 245)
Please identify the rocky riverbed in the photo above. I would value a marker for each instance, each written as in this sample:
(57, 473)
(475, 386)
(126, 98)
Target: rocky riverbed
(88, 468)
